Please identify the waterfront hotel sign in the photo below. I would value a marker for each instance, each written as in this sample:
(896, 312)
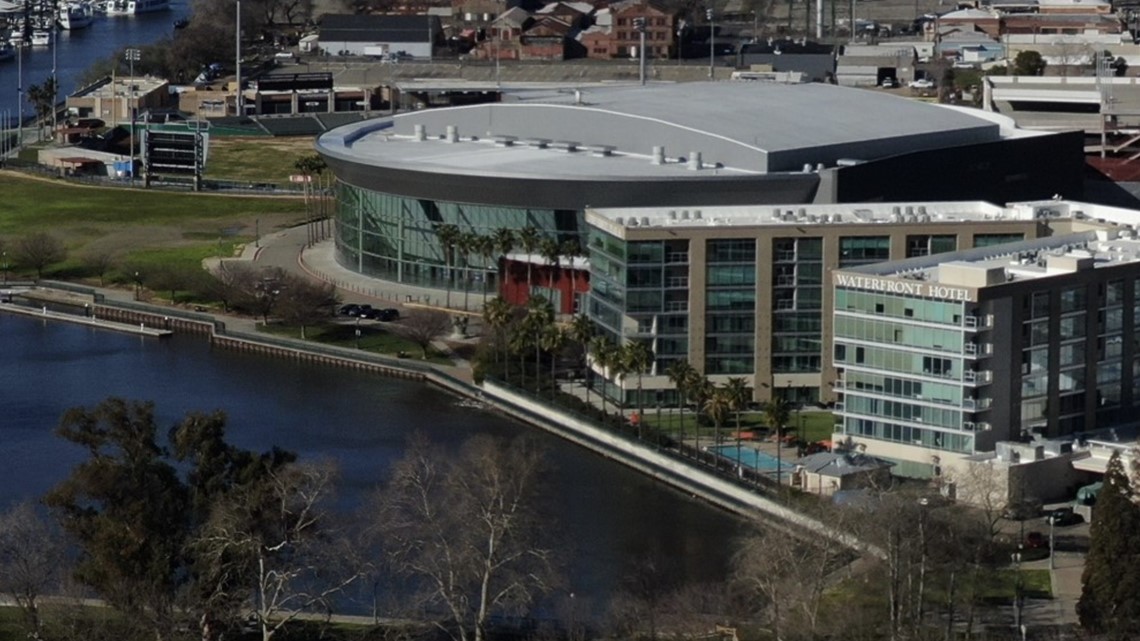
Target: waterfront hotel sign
(916, 288)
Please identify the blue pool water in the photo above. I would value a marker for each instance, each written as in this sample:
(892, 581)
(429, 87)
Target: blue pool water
(749, 457)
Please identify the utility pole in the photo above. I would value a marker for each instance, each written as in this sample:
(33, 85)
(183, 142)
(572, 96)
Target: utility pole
(639, 24)
(712, 44)
(237, 60)
(20, 96)
(132, 55)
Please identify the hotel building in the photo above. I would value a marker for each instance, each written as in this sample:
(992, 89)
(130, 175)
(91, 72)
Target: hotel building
(944, 357)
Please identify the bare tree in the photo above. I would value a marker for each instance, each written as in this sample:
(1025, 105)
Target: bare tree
(31, 554)
(423, 327)
(98, 262)
(38, 250)
(466, 529)
(229, 281)
(274, 533)
(304, 302)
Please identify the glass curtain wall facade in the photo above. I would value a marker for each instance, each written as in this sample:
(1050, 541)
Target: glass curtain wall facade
(640, 291)
(908, 370)
(730, 306)
(395, 237)
(797, 310)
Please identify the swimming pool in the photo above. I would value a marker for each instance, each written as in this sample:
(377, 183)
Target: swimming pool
(749, 457)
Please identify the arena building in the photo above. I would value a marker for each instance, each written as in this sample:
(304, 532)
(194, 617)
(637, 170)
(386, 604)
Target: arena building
(539, 159)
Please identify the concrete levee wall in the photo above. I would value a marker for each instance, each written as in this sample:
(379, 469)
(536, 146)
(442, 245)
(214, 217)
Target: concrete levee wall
(659, 466)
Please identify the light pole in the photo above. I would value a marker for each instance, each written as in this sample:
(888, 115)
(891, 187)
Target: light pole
(1016, 556)
(4, 261)
(712, 42)
(20, 96)
(639, 24)
(138, 286)
(237, 60)
(132, 55)
(54, 83)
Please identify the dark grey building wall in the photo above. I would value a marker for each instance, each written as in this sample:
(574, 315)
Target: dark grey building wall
(998, 172)
(818, 66)
(704, 188)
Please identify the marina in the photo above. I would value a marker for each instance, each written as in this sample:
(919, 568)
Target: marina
(82, 35)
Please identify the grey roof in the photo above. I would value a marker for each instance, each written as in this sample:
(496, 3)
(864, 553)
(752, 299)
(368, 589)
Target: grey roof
(376, 28)
(841, 464)
(750, 127)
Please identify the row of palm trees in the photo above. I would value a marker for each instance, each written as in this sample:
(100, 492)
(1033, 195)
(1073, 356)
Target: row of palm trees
(460, 246)
(523, 336)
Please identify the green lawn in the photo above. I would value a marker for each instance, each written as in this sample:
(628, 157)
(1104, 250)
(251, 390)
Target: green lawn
(373, 338)
(257, 160)
(136, 226)
(816, 425)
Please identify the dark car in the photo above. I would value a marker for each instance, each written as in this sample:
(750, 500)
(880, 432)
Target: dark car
(388, 315)
(363, 310)
(1035, 540)
(350, 309)
(1064, 516)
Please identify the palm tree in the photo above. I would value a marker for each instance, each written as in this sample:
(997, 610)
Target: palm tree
(485, 247)
(497, 313)
(528, 239)
(448, 237)
(699, 389)
(603, 350)
(739, 394)
(776, 413)
(519, 343)
(680, 373)
(639, 358)
(465, 244)
(718, 404)
(582, 329)
(572, 249)
(539, 316)
(552, 253)
(554, 339)
(504, 240)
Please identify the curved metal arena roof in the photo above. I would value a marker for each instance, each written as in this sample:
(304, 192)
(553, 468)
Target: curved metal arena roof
(751, 137)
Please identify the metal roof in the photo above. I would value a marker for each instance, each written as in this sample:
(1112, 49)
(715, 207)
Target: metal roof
(750, 127)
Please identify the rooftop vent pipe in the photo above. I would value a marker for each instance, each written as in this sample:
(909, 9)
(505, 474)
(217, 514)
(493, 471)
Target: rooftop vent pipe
(694, 160)
(420, 133)
(452, 134)
(658, 155)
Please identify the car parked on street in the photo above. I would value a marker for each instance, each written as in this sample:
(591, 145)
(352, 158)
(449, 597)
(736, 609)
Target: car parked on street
(921, 83)
(351, 309)
(1035, 540)
(1064, 516)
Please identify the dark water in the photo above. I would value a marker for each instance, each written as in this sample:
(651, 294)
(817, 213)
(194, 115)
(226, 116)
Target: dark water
(611, 519)
(77, 50)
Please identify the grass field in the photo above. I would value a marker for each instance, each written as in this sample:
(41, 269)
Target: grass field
(373, 338)
(256, 159)
(136, 225)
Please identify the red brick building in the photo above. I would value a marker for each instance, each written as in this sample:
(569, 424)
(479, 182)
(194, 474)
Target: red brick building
(564, 286)
(660, 29)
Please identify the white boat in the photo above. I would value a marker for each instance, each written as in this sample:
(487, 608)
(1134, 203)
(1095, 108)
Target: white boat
(76, 15)
(41, 38)
(132, 7)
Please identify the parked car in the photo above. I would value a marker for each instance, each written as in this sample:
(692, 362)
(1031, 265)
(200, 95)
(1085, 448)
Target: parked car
(1035, 540)
(1064, 516)
(921, 83)
(889, 83)
(350, 309)
(388, 314)
(363, 310)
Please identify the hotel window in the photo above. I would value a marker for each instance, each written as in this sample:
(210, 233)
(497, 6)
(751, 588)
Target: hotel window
(1072, 299)
(854, 250)
(989, 240)
(929, 245)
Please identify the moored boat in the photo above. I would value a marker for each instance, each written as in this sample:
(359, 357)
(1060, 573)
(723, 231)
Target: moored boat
(76, 15)
(132, 7)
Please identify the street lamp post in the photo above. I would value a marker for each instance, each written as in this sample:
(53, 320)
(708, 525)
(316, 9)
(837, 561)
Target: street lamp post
(639, 24)
(237, 61)
(4, 264)
(138, 287)
(132, 55)
(712, 43)
(1017, 588)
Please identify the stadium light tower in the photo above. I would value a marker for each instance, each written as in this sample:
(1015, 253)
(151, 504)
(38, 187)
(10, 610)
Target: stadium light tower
(639, 24)
(712, 42)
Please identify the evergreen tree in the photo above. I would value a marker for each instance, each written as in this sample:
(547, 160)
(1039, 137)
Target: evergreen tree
(1111, 579)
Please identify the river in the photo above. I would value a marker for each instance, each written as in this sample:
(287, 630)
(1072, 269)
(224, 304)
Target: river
(77, 50)
(613, 518)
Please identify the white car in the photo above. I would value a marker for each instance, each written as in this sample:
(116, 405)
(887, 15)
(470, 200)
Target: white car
(921, 83)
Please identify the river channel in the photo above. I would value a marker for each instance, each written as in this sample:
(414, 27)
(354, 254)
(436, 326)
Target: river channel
(612, 518)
